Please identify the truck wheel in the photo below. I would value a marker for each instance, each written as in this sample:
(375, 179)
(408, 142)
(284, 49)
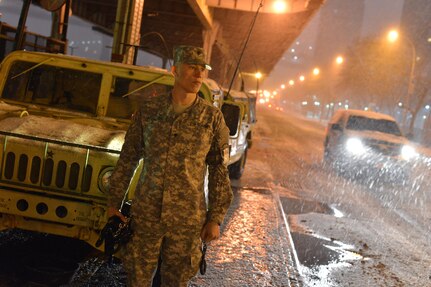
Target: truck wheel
(236, 169)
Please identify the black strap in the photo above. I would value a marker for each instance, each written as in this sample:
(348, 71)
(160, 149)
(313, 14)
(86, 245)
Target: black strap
(203, 263)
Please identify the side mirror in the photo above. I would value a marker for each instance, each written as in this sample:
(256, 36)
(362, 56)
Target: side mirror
(231, 115)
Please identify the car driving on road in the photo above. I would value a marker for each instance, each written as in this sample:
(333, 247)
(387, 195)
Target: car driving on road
(368, 144)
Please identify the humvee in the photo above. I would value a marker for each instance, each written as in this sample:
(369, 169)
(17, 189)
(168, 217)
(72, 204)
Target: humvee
(243, 142)
(62, 125)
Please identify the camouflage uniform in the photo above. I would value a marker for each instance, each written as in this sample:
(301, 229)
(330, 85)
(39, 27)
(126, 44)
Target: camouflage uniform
(169, 208)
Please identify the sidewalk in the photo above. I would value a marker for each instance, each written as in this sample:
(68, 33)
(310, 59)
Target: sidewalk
(253, 249)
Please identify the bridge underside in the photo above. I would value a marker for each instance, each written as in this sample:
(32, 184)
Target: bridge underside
(221, 30)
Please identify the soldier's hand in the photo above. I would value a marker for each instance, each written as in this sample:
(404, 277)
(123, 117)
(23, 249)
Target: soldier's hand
(112, 211)
(210, 231)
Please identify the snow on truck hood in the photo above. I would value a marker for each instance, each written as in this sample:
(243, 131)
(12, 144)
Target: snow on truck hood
(21, 122)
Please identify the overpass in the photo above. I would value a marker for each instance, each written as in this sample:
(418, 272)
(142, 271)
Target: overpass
(220, 26)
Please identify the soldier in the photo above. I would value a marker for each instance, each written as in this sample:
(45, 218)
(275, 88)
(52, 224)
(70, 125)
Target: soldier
(178, 136)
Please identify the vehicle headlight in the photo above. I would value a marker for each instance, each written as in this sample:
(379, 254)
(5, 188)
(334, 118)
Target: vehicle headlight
(355, 146)
(104, 183)
(408, 152)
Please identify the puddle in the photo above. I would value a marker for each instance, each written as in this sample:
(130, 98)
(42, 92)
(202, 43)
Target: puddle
(336, 212)
(313, 250)
(319, 257)
(300, 206)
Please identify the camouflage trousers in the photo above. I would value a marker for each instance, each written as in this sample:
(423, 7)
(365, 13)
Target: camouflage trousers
(178, 247)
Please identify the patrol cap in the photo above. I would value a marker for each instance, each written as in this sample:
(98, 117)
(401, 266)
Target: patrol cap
(190, 55)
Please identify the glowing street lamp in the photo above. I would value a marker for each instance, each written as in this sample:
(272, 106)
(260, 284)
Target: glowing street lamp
(393, 36)
(279, 6)
(258, 75)
(339, 60)
(291, 82)
(301, 78)
(316, 71)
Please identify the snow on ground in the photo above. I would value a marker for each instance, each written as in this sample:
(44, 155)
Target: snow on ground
(346, 233)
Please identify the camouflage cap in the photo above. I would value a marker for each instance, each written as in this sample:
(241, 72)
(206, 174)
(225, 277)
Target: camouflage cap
(190, 55)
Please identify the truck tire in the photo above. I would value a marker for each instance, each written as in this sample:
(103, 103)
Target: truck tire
(236, 169)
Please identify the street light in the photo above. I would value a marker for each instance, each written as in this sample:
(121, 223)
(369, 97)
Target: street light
(279, 6)
(339, 60)
(393, 36)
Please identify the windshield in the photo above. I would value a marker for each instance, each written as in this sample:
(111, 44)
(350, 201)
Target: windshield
(380, 125)
(53, 86)
(128, 93)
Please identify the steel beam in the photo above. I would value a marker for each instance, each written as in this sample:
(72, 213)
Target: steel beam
(202, 12)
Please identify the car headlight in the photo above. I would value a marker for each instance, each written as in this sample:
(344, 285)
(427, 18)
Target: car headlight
(355, 146)
(408, 152)
(104, 183)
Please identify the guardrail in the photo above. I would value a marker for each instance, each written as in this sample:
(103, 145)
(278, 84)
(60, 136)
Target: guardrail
(32, 41)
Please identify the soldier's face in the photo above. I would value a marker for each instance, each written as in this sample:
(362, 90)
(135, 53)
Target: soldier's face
(189, 77)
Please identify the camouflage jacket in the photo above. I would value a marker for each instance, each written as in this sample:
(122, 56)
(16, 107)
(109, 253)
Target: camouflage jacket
(176, 150)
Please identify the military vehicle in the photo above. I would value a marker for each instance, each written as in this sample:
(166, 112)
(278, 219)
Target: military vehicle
(62, 125)
(243, 141)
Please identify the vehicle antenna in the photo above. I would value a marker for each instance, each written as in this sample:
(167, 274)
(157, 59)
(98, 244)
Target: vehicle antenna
(245, 45)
